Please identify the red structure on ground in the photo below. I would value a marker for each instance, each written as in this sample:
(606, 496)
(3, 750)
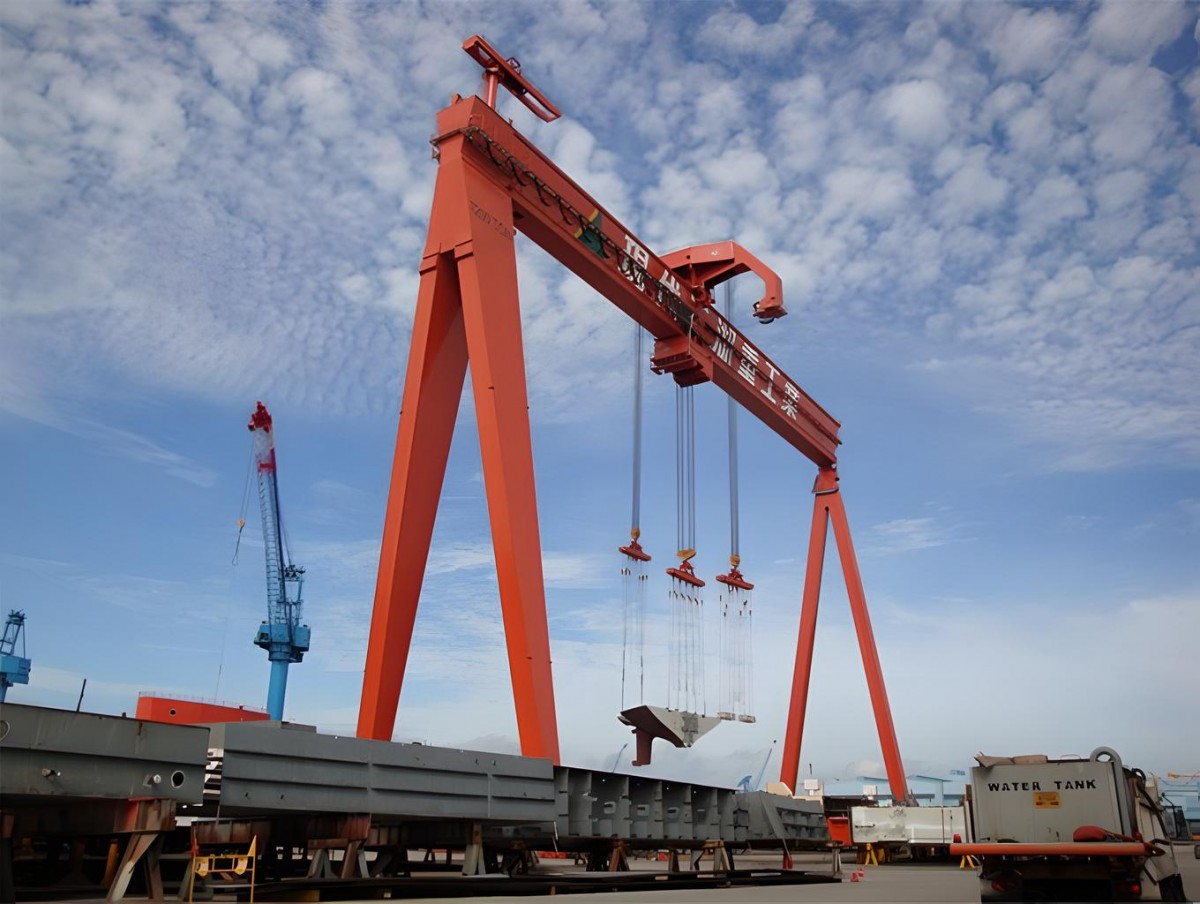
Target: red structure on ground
(153, 708)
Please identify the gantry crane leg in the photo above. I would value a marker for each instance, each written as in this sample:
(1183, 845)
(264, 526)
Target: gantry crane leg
(467, 312)
(437, 365)
(828, 506)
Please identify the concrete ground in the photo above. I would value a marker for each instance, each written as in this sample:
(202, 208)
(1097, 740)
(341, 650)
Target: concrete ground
(900, 882)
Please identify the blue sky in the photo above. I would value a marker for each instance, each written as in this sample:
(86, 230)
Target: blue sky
(986, 217)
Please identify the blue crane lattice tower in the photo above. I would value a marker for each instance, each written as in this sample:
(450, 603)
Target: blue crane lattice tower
(281, 635)
(14, 669)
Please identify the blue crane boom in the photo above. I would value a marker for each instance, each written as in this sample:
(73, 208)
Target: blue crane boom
(745, 782)
(14, 669)
(281, 635)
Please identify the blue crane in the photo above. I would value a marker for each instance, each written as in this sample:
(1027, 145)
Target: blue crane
(14, 669)
(281, 635)
(745, 782)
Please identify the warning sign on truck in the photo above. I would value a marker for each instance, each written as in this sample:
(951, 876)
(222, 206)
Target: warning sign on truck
(1046, 800)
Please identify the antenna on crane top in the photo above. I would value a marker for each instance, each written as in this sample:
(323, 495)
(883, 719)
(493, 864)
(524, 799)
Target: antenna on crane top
(498, 71)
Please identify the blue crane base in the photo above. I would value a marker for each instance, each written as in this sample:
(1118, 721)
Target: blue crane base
(282, 654)
(277, 689)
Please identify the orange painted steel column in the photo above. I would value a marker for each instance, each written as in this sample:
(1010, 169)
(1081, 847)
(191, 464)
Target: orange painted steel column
(467, 313)
(437, 365)
(866, 643)
(491, 314)
(828, 506)
(802, 673)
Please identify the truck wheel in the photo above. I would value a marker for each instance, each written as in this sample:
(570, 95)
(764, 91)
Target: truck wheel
(1171, 888)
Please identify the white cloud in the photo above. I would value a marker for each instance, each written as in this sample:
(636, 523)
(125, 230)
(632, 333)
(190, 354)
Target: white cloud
(970, 187)
(732, 31)
(1130, 108)
(908, 535)
(124, 444)
(1136, 30)
(865, 193)
(1030, 42)
(1053, 200)
(918, 113)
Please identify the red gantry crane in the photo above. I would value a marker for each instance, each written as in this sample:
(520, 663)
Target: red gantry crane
(491, 183)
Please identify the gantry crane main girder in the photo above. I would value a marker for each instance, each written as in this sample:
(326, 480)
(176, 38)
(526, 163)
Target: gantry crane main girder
(493, 182)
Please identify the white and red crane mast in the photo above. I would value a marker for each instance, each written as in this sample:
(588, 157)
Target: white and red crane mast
(282, 635)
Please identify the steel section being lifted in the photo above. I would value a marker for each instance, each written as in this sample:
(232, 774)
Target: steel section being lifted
(492, 182)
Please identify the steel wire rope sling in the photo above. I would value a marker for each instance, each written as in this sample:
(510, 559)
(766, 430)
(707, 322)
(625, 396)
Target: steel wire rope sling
(633, 570)
(685, 692)
(737, 613)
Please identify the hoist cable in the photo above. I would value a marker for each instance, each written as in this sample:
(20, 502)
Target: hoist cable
(245, 502)
(639, 339)
(679, 476)
(633, 574)
(626, 575)
(737, 650)
(700, 633)
(685, 470)
(641, 635)
(749, 687)
(733, 450)
(676, 683)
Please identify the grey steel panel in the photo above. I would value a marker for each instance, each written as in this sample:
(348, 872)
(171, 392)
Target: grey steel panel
(646, 808)
(592, 804)
(677, 810)
(610, 804)
(275, 767)
(579, 790)
(59, 753)
(706, 812)
(766, 817)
